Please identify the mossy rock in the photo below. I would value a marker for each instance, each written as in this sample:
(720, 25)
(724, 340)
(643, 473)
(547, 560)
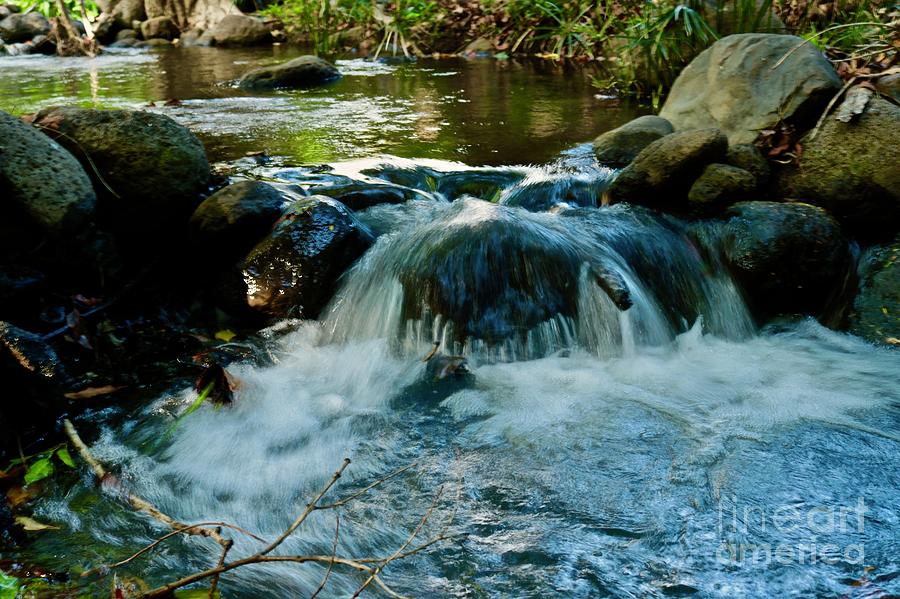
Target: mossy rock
(876, 309)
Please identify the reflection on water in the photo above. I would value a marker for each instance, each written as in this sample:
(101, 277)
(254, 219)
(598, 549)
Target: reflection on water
(479, 112)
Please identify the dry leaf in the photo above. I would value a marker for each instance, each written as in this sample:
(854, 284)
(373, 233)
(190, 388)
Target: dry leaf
(92, 392)
(32, 525)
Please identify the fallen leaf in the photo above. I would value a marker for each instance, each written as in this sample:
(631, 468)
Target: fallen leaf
(225, 335)
(32, 525)
(18, 496)
(92, 392)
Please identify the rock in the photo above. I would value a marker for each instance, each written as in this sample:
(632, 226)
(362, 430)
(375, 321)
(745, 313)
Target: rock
(105, 28)
(19, 285)
(789, 258)
(126, 34)
(617, 148)
(191, 38)
(23, 27)
(721, 185)
(662, 173)
(128, 11)
(876, 309)
(539, 195)
(28, 352)
(43, 180)
(485, 184)
(156, 41)
(128, 42)
(359, 196)
(152, 168)
(294, 271)
(747, 157)
(233, 220)
(4, 12)
(306, 71)
(735, 86)
(480, 45)
(43, 45)
(889, 86)
(852, 170)
(159, 28)
(240, 30)
(189, 15)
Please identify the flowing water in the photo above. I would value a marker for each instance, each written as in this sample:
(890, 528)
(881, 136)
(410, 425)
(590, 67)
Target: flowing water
(623, 428)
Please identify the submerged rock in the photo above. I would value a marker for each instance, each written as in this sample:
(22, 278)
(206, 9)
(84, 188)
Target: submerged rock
(662, 173)
(735, 85)
(146, 167)
(617, 148)
(306, 71)
(240, 30)
(876, 309)
(789, 258)
(852, 169)
(293, 272)
(234, 219)
(20, 27)
(43, 180)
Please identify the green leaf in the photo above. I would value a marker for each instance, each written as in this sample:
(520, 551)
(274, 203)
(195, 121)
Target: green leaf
(39, 470)
(9, 586)
(65, 457)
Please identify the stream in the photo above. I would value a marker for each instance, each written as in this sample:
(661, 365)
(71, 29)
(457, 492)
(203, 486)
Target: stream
(674, 448)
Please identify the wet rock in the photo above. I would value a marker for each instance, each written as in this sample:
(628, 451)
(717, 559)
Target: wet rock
(23, 27)
(240, 30)
(18, 286)
(418, 177)
(229, 223)
(851, 169)
(483, 184)
(126, 34)
(663, 172)
(735, 86)
(721, 185)
(539, 195)
(306, 71)
(43, 45)
(359, 196)
(159, 28)
(147, 169)
(29, 352)
(157, 41)
(876, 309)
(43, 180)
(294, 271)
(747, 157)
(789, 258)
(192, 38)
(617, 148)
(126, 12)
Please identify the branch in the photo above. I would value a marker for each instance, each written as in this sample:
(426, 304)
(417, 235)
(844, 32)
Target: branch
(337, 532)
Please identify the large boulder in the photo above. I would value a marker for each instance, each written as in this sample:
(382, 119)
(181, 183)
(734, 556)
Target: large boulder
(146, 168)
(306, 71)
(23, 27)
(294, 271)
(162, 28)
(127, 12)
(40, 178)
(240, 30)
(789, 258)
(662, 173)
(739, 86)
(876, 310)
(852, 169)
(230, 222)
(617, 148)
(190, 15)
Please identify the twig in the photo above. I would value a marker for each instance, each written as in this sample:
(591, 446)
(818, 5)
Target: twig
(138, 503)
(808, 39)
(309, 509)
(337, 532)
(163, 538)
(815, 130)
(215, 578)
(349, 498)
(377, 570)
